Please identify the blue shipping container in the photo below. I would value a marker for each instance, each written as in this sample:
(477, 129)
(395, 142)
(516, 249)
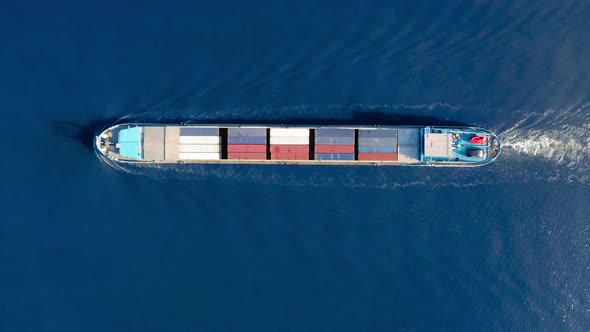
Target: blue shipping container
(377, 140)
(378, 133)
(246, 139)
(378, 148)
(334, 156)
(246, 131)
(199, 131)
(335, 140)
(328, 132)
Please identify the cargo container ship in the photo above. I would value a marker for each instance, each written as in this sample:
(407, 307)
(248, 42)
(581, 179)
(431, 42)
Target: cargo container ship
(302, 145)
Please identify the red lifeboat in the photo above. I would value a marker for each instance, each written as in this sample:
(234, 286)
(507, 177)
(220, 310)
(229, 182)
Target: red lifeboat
(479, 140)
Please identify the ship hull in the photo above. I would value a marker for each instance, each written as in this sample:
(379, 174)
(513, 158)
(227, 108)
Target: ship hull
(152, 143)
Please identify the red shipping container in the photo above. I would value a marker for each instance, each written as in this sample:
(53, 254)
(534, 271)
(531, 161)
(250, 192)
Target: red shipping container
(334, 149)
(246, 148)
(290, 156)
(289, 148)
(246, 155)
(378, 156)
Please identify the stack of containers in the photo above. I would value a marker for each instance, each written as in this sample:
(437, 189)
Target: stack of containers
(246, 143)
(199, 144)
(377, 144)
(334, 144)
(289, 143)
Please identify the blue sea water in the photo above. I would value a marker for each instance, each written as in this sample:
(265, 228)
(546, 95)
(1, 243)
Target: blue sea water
(87, 247)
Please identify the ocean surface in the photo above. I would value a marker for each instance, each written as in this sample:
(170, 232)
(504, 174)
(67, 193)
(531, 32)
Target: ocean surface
(88, 247)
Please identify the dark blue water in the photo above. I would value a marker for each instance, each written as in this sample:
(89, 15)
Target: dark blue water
(86, 247)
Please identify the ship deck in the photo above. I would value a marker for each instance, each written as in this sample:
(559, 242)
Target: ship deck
(168, 144)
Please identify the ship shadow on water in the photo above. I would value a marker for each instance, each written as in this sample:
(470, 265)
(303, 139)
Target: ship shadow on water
(83, 133)
(365, 118)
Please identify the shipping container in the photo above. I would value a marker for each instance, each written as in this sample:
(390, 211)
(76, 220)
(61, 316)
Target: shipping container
(246, 140)
(246, 131)
(377, 141)
(289, 149)
(199, 140)
(288, 132)
(332, 132)
(334, 156)
(246, 155)
(378, 156)
(334, 149)
(335, 140)
(198, 148)
(246, 148)
(377, 133)
(198, 156)
(377, 148)
(199, 131)
(291, 140)
(290, 156)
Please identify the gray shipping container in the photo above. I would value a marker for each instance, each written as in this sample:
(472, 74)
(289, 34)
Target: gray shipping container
(377, 149)
(246, 131)
(334, 140)
(334, 156)
(199, 131)
(378, 133)
(377, 141)
(246, 140)
(333, 132)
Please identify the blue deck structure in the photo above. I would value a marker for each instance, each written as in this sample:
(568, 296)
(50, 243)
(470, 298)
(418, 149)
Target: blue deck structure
(454, 145)
(130, 142)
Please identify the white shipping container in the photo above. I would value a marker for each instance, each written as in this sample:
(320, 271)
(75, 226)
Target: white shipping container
(199, 140)
(289, 140)
(288, 132)
(199, 148)
(198, 156)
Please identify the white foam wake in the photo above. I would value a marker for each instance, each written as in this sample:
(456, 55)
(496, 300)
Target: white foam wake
(562, 146)
(561, 137)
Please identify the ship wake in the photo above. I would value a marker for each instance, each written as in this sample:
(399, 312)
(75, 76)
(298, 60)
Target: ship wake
(558, 137)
